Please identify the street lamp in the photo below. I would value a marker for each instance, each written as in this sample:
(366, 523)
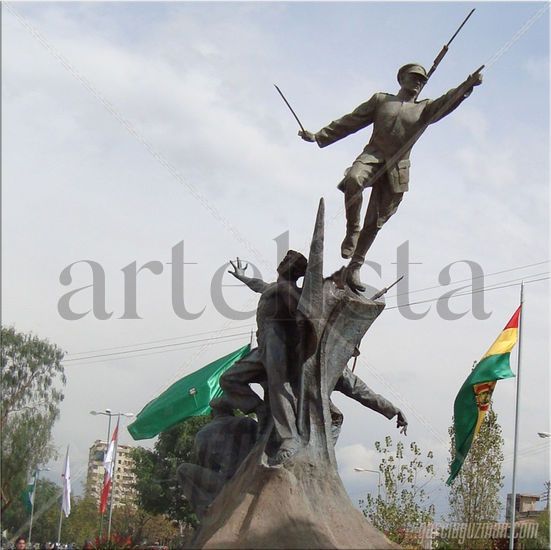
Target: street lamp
(373, 472)
(107, 412)
(36, 476)
(543, 435)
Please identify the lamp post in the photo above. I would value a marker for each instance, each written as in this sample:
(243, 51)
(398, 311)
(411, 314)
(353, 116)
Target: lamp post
(110, 414)
(373, 472)
(36, 476)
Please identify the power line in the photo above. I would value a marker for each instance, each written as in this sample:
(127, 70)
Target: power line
(91, 362)
(510, 283)
(473, 278)
(161, 340)
(487, 288)
(155, 347)
(513, 282)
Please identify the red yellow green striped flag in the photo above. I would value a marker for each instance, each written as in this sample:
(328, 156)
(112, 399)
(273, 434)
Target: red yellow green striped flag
(473, 400)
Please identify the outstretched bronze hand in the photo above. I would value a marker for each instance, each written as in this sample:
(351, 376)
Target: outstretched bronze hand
(239, 269)
(402, 423)
(307, 136)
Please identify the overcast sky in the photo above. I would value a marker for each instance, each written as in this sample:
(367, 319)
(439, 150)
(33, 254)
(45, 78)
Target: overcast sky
(131, 127)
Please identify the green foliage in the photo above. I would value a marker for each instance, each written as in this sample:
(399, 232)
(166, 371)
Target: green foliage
(83, 521)
(157, 484)
(141, 527)
(130, 525)
(404, 505)
(16, 519)
(474, 494)
(32, 381)
(46, 511)
(542, 540)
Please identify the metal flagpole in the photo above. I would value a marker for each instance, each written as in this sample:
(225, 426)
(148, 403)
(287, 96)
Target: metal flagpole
(60, 521)
(513, 491)
(61, 504)
(107, 441)
(36, 476)
(113, 472)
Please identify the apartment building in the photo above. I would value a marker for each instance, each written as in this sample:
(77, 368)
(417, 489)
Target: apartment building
(124, 490)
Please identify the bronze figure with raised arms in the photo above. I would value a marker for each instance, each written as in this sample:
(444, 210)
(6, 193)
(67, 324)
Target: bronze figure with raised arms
(398, 122)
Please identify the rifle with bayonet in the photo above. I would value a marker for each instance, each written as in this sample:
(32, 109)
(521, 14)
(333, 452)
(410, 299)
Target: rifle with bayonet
(385, 290)
(308, 136)
(446, 47)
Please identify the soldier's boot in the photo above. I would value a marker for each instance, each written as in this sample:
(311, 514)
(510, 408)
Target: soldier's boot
(367, 236)
(353, 206)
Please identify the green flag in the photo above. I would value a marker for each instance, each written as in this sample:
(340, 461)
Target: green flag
(188, 397)
(27, 496)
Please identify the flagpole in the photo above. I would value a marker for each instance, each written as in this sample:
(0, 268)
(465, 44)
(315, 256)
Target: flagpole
(106, 448)
(113, 477)
(36, 475)
(515, 445)
(60, 520)
(62, 494)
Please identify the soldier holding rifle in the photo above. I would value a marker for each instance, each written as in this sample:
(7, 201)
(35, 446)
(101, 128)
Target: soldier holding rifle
(398, 122)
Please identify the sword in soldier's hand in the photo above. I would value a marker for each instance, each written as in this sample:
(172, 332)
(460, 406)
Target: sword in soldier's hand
(303, 133)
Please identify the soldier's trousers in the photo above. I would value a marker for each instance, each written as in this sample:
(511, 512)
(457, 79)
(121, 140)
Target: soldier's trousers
(383, 204)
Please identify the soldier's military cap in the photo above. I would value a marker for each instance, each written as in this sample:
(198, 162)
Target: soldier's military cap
(414, 68)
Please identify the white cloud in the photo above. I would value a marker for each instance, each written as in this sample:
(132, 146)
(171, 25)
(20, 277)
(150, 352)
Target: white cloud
(537, 68)
(356, 456)
(197, 85)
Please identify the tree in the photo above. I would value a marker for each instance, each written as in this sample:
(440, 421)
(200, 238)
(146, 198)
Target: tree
(157, 483)
(140, 527)
(130, 524)
(32, 382)
(16, 519)
(542, 540)
(404, 505)
(46, 511)
(83, 522)
(474, 493)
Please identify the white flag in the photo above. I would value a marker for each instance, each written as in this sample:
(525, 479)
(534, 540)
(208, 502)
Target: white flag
(66, 478)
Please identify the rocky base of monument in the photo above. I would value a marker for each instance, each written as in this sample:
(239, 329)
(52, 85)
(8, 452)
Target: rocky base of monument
(289, 506)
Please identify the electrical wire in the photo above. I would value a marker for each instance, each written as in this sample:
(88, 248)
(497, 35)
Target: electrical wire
(224, 338)
(513, 282)
(161, 340)
(122, 354)
(495, 286)
(484, 275)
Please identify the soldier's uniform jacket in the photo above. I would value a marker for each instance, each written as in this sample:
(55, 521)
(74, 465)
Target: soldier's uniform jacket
(397, 125)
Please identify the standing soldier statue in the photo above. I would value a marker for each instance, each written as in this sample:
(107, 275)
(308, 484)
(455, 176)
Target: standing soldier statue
(398, 122)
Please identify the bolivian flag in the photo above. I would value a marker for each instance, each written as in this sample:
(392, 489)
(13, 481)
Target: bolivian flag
(473, 400)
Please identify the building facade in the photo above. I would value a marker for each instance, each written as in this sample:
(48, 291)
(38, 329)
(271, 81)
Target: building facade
(525, 507)
(124, 479)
